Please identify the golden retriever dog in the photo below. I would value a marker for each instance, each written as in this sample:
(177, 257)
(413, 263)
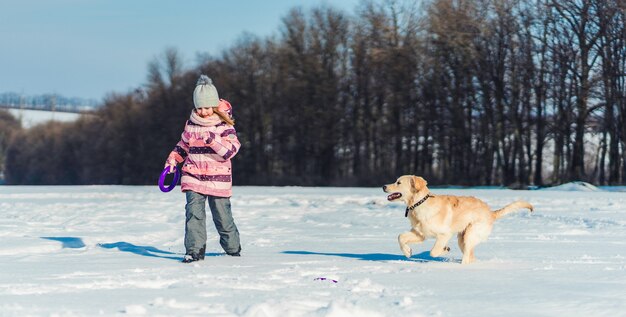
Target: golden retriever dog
(441, 216)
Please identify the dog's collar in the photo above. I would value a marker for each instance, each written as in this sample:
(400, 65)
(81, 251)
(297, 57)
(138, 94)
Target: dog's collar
(406, 213)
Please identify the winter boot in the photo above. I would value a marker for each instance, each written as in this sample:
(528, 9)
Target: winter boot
(202, 252)
(235, 253)
(193, 257)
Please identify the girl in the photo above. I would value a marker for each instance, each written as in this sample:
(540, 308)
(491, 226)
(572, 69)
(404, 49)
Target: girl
(207, 144)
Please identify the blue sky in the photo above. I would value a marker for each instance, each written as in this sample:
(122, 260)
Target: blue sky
(88, 48)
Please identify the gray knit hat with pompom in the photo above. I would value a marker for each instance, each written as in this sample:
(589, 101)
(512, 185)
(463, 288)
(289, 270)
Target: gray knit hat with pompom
(205, 94)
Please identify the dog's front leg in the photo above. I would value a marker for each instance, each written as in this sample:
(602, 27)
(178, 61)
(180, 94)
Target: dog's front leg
(406, 238)
(440, 247)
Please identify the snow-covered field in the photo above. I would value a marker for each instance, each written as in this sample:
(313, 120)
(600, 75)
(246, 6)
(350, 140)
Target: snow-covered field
(30, 118)
(116, 250)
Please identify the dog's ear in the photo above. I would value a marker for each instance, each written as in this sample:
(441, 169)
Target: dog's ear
(417, 184)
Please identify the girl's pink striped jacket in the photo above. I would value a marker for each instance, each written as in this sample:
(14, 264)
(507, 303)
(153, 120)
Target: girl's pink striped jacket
(205, 149)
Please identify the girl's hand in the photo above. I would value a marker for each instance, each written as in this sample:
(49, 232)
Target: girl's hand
(171, 166)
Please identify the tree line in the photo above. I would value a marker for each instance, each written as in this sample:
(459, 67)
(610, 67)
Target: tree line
(467, 92)
(45, 101)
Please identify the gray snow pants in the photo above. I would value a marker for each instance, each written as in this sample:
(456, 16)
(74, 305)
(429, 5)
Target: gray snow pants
(195, 224)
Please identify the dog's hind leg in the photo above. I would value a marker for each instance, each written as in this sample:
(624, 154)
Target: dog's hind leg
(461, 239)
(469, 243)
(440, 248)
(474, 234)
(468, 254)
(404, 239)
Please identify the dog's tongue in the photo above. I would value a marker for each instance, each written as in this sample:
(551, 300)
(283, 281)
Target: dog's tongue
(394, 196)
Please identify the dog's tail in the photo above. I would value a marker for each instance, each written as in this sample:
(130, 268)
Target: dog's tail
(511, 208)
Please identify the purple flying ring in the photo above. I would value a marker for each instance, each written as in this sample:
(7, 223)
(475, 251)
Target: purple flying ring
(162, 186)
(324, 279)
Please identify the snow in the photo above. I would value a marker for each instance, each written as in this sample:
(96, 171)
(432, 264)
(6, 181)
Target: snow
(116, 251)
(31, 118)
(574, 186)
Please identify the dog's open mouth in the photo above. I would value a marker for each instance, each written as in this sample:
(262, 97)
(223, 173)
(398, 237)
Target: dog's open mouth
(394, 196)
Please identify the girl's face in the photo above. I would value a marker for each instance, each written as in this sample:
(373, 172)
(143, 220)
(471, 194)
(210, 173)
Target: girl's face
(204, 112)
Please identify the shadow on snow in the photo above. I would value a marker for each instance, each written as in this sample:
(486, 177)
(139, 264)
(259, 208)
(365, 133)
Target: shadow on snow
(146, 250)
(68, 242)
(77, 243)
(139, 250)
(422, 257)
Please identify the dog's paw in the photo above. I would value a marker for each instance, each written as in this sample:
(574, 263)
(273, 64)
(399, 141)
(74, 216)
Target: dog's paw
(445, 250)
(437, 253)
(407, 252)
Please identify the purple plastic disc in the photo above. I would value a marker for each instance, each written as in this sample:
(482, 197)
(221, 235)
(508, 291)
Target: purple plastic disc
(162, 186)
(324, 279)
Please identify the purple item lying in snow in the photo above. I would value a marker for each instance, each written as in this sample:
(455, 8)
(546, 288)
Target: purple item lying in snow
(174, 181)
(323, 279)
